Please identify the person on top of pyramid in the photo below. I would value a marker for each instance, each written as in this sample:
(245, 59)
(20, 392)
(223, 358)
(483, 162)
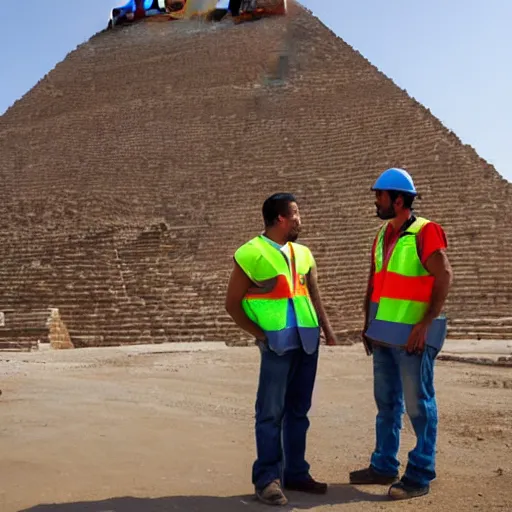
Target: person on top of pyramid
(273, 295)
(135, 10)
(248, 9)
(409, 280)
(138, 9)
(234, 7)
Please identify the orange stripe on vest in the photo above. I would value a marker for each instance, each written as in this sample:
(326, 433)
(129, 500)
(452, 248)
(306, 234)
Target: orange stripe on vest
(281, 290)
(395, 286)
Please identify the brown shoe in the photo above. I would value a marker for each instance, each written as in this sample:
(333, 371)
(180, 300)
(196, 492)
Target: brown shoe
(406, 489)
(369, 476)
(272, 494)
(309, 485)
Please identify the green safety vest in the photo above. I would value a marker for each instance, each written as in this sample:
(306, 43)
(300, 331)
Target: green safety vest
(402, 290)
(276, 283)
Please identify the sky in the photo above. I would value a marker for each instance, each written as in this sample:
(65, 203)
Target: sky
(450, 55)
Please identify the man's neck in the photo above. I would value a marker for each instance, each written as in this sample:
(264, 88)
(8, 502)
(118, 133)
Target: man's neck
(400, 219)
(278, 238)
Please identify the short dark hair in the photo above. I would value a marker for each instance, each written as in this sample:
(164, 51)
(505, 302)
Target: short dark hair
(408, 198)
(275, 205)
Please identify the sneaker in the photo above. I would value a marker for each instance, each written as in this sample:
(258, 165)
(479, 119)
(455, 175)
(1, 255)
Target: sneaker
(309, 485)
(369, 476)
(406, 489)
(272, 494)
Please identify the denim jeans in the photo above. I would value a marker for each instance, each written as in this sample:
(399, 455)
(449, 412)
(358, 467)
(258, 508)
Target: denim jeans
(283, 401)
(399, 376)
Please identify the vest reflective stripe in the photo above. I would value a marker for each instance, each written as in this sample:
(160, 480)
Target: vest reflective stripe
(402, 287)
(275, 284)
(280, 289)
(402, 290)
(402, 311)
(408, 302)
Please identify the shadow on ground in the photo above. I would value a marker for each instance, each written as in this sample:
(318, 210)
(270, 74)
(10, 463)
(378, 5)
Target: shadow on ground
(338, 494)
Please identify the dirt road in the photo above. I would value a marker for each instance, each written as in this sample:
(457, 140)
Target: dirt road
(126, 430)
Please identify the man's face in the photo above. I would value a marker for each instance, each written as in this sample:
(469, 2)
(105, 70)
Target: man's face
(291, 223)
(384, 205)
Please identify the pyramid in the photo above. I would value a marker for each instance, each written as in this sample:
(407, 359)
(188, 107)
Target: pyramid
(136, 167)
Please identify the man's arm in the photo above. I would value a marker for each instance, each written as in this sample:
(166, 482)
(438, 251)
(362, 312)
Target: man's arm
(439, 267)
(238, 285)
(366, 307)
(314, 292)
(367, 300)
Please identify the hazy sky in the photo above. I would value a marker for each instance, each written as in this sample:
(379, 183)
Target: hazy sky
(451, 55)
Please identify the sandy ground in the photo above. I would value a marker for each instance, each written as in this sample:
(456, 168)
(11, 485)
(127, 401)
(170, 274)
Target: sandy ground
(489, 350)
(170, 428)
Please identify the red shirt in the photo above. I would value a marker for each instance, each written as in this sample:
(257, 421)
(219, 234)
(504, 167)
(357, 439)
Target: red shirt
(430, 239)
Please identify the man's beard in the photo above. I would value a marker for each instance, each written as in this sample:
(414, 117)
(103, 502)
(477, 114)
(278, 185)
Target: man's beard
(388, 213)
(292, 236)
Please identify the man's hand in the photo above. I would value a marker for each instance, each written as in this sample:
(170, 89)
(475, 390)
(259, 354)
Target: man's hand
(238, 286)
(330, 338)
(366, 342)
(314, 292)
(417, 339)
(261, 341)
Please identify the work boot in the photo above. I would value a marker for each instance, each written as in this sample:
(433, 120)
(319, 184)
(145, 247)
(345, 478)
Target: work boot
(272, 494)
(406, 489)
(309, 485)
(369, 476)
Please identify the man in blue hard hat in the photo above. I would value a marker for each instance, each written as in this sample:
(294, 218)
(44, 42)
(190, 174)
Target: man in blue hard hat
(404, 330)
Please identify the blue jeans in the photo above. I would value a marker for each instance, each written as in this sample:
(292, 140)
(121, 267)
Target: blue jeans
(283, 401)
(398, 375)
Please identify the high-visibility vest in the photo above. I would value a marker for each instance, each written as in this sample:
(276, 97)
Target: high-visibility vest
(276, 283)
(402, 289)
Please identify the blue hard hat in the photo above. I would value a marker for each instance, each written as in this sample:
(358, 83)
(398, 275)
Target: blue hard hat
(395, 179)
